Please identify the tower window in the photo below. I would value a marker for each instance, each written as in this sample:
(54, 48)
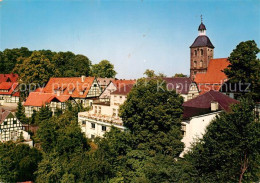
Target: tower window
(195, 52)
(195, 64)
(201, 52)
(201, 63)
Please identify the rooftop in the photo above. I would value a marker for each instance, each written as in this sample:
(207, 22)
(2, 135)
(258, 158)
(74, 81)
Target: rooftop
(202, 41)
(202, 104)
(180, 84)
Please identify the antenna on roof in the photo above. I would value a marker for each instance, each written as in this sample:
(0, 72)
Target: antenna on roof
(201, 18)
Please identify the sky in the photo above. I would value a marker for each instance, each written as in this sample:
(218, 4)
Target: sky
(133, 35)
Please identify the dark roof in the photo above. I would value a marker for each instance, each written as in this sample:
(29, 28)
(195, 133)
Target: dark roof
(3, 115)
(123, 90)
(202, 104)
(181, 84)
(202, 41)
(202, 27)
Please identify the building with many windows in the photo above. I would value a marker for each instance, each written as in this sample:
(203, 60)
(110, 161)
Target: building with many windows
(9, 93)
(104, 114)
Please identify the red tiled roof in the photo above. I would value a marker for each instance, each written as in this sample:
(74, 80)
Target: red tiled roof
(39, 99)
(67, 84)
(124, 90)
(214, 77)
(8, 86)
(8, 77)
(122, 82)
(214, 73)
(202, 103)
(181, 85)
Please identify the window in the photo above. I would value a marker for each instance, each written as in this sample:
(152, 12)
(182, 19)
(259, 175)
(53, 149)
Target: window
(83, 122)
(201, 63)
(14, 122)
(93, 125)
(95, 85)
(104, 128)
(183, 129)
(5, 123)
(121, 97)
(195, 64)
(195, 52)
(201, 52)
(92, 136)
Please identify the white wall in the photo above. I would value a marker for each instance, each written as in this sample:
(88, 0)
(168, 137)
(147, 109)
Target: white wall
(195, 128)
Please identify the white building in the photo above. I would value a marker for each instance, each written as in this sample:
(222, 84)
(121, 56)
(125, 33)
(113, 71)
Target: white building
(199, 112)
(103, 115)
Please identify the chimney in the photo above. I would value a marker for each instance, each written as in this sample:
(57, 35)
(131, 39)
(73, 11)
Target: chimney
(214, 106)
(83, 78)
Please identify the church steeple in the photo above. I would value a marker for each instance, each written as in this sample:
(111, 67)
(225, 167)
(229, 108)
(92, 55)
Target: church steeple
(201, 51)
(202, 28)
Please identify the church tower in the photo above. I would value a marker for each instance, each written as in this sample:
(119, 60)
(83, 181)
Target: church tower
(201, 51)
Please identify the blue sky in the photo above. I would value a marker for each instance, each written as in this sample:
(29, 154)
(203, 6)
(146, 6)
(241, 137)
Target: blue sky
(133, 35)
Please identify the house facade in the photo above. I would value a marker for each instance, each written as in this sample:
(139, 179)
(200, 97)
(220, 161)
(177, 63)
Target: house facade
(104, 114)
(36, 100)
(199, 112)
(82, 89)
(11, 128)
(9, 93)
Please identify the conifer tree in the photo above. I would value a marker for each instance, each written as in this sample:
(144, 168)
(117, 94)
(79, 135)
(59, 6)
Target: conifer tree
(20, 113)
(44, 113)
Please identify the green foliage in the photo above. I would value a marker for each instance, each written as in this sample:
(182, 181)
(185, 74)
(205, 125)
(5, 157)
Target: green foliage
(35, 69)
(64, 147)
(153, 116)
(104, 69)
(228, 152)
(8, 58)
(244, 66)
(18, 162)
(45, 113)
(20, 113)
(179, 75)
(149, 73)
(71, 65)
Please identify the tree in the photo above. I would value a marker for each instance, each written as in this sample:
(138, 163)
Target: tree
(34, 71)
(228, 152)
(8, 58)
(244, 66)
(44, 113)
(153, 116)
(104, 69)
(18, 162)
(149, 73)
(20, 113)
(180, 75)
(64, 147)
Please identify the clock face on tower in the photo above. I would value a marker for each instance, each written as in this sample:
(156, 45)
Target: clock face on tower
(201, 51)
